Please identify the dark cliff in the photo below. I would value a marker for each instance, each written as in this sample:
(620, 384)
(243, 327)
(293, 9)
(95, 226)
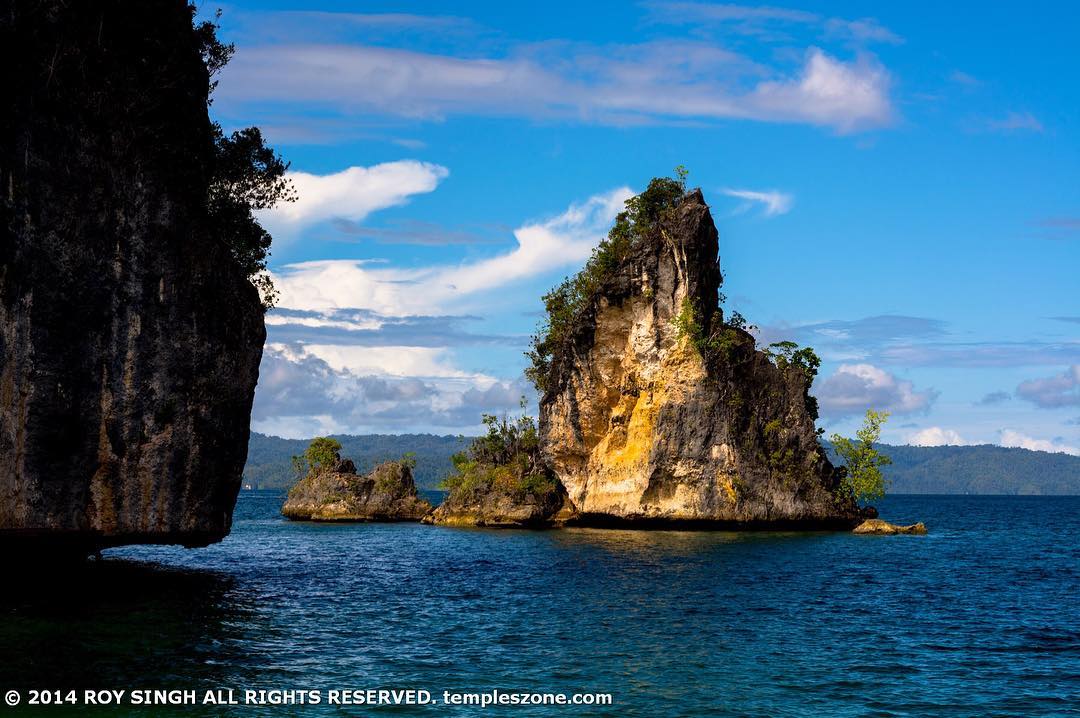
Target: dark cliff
(656, 409)
(130, 339)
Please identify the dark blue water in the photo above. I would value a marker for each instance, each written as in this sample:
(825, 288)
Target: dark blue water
(980, 618)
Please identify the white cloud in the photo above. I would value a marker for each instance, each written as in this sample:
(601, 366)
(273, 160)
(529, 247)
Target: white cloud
(561, 241)
(846, 96)
(936, 436)
(774, 202)
(648, 82)
(854, 388)
(351, 194)
(1013, 438)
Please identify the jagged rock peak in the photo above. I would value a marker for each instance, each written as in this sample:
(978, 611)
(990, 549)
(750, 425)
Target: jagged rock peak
(656, 408)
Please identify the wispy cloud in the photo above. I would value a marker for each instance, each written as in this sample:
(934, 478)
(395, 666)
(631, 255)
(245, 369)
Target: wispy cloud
(773, 202)
(981, 354)
(659, 81)
(561, 241)
(1061, 228)
(765, 20)
(350, 194)
(1015, 122)
(411, 232)
(962, 78)
(864, 31)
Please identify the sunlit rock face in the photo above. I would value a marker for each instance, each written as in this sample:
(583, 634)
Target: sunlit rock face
(641, 425)
(129, 339)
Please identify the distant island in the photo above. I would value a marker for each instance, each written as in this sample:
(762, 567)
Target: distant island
(983, 469)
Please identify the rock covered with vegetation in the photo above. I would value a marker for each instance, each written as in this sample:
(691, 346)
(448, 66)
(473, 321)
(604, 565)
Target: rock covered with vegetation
(656, 406)
(331, 490)
(501, 481)
(131, 326)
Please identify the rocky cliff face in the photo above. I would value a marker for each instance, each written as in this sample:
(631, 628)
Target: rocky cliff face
(388, 493)
(130, 340)
(644, 421)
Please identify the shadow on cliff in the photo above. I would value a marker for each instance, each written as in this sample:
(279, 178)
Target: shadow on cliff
(115, 624)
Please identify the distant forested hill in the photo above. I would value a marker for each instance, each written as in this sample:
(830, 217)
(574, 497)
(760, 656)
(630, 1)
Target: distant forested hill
(269, 463)
(916, 469)
(984, 469)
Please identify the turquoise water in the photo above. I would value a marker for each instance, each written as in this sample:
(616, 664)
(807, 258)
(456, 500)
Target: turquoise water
(981, 617)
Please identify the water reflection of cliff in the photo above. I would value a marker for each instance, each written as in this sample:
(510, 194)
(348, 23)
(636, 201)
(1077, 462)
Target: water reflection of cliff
(120, 624)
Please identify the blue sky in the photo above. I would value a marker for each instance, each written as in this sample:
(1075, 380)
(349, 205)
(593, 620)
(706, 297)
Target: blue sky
(901, 192)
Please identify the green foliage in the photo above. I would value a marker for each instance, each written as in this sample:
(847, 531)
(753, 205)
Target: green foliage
(723, 339)
(687, 325)
(565, 303)
(862, 478)
(245, 176)
(788, 354)
(506, 459)
(323, 452)
(785, 354)
(408, 460)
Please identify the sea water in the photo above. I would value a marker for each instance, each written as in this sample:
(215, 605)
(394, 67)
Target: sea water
(981, 617)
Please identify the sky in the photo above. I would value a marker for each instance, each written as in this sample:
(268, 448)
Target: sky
(896, 185)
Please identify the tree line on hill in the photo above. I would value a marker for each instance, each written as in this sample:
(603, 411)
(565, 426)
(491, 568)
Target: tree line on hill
(984, 469)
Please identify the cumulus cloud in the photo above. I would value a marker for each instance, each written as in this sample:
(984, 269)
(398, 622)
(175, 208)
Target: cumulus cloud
(773, 202)
(1053, 392)
(847, 96)
(649, 82)
(351, 194)
(936, 436)
(1013, 438)
(563, 240)
(306, 390)
(854, 388)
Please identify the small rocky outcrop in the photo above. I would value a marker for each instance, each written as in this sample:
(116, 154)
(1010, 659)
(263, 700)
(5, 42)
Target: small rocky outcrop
(877, 527)
(337, 493)
(656, 408)
(501, 481)
(504, 508)
(129, 338)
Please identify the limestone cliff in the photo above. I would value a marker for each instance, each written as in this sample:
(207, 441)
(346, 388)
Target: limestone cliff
(388, 493)
(130, 340)
(654, 409)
